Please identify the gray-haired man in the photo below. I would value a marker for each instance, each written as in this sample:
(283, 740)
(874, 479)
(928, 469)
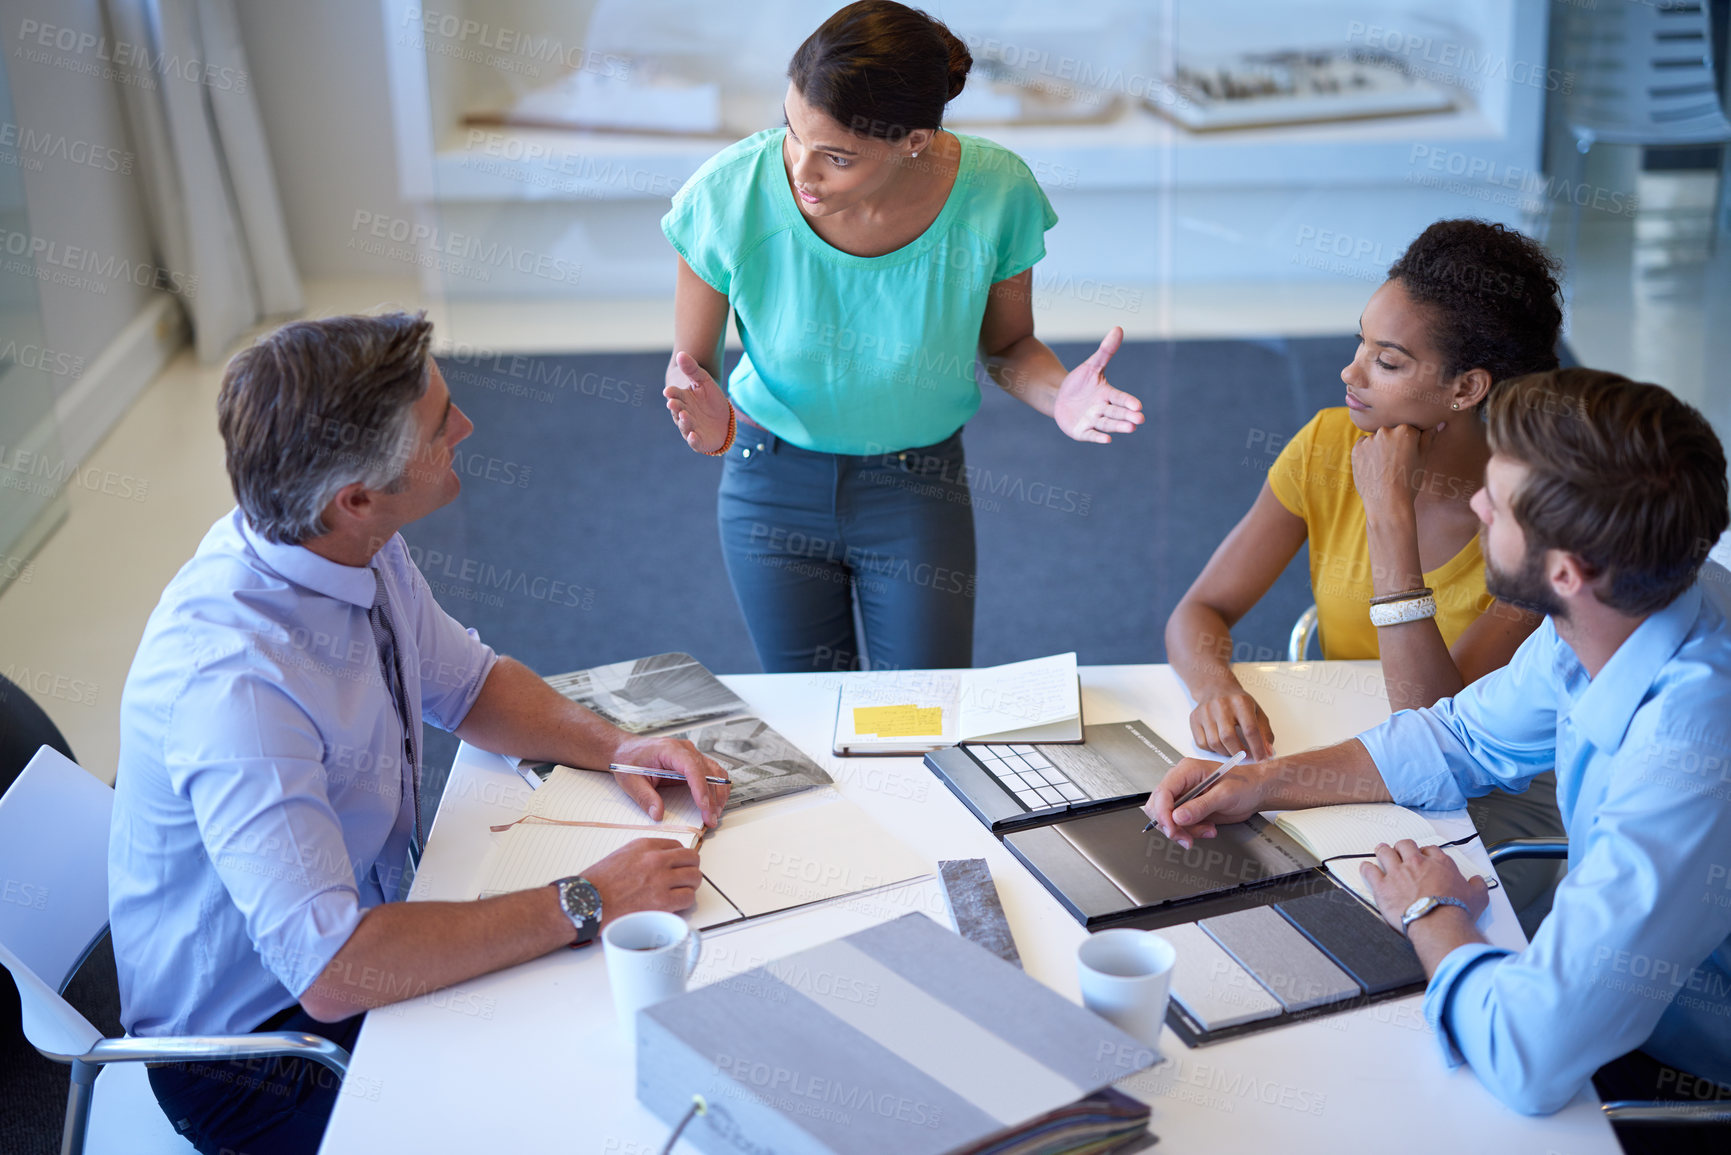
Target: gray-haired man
(266, 797)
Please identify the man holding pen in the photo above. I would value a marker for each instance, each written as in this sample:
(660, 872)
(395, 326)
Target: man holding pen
(1601, 500)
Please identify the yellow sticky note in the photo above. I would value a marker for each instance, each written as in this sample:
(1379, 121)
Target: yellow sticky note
(898, 721)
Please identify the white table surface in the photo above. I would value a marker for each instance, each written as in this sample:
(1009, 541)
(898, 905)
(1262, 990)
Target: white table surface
(532, 1059)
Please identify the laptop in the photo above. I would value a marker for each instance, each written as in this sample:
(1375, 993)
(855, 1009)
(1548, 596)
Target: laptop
(1014, 786)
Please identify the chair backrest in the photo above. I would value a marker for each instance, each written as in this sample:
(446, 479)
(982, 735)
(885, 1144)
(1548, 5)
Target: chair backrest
(1303, 630)
(53, 891)
(1641, 73)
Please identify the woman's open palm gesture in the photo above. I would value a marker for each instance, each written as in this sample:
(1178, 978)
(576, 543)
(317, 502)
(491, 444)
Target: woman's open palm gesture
(1088, 408)
(701, 410)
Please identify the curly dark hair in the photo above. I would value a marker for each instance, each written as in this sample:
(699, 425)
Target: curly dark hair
(1492, 293)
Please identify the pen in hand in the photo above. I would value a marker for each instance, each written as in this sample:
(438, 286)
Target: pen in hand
(1201, 787)
(668, 775)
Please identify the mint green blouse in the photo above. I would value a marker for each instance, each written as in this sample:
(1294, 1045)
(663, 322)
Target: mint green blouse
(847, 354)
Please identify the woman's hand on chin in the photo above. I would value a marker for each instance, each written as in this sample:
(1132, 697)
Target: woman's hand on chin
(1388, 467)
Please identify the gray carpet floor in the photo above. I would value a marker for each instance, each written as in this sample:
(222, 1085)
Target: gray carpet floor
(586, 529)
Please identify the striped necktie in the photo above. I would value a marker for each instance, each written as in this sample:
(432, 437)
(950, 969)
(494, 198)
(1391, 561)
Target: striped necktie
(390, 666)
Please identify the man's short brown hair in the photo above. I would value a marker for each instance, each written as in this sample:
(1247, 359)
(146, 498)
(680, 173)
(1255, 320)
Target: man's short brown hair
(315, 406)
(1624, 476)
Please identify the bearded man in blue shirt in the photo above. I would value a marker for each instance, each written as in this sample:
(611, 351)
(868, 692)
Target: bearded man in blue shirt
(1600, 503)
(267, 801)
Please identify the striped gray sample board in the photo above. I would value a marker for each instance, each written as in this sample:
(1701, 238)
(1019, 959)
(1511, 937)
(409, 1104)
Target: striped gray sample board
(904, 1038)
(1361, 943)
(1282, 959)
(1210, 985)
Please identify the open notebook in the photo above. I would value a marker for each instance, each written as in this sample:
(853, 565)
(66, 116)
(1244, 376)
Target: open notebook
(916, 711)
(1355, 829)
(578, 816)
(798, 850)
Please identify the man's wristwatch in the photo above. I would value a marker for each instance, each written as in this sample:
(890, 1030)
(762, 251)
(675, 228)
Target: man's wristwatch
(581, 903)
(1424, 906)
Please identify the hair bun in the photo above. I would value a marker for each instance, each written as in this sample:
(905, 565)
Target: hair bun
(961, 60)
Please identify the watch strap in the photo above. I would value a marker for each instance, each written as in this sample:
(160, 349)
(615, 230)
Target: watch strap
(1432, 902)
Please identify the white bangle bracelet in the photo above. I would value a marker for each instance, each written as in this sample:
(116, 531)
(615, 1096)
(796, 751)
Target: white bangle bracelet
(1401, 612)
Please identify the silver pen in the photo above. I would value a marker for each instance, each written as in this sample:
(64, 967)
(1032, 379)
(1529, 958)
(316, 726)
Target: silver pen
(657, 772)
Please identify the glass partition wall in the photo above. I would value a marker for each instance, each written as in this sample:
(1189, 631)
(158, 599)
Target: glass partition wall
(33, 469)
(1232, 179)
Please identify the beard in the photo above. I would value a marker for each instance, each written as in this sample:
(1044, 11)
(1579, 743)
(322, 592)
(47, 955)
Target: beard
(1525, 588)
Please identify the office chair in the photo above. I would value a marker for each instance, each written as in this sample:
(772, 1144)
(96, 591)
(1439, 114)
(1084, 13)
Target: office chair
(1618, 1110)
(1303, 630)
(1642, 75)
(54, 855)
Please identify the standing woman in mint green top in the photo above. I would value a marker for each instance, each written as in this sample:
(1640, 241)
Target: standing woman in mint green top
(870, 259)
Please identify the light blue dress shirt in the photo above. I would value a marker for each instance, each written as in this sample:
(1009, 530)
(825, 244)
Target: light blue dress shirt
(1635, 952)
(261, 803)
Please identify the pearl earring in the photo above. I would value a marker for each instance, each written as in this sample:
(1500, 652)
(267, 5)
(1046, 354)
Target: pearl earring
(914, 154)
(1456, 405)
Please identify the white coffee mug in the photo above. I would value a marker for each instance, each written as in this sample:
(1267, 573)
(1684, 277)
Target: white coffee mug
(650, 954)
(1126, 976)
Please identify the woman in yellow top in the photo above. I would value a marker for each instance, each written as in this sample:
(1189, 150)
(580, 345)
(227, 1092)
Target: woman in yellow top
(1380, 488)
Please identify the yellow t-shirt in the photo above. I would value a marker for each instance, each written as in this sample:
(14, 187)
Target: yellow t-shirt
(1312, 478)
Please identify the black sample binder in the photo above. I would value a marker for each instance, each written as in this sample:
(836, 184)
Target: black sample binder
(1335, 931)
(1103, 869)
(1015, 786)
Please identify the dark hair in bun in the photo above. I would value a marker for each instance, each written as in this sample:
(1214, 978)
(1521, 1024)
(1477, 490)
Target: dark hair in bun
(881, 69)
(1492, 294)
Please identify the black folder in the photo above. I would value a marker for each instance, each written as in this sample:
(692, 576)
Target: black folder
(1102, 867)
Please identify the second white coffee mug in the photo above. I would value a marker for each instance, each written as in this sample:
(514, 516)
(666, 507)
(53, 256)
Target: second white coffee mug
(650, 955)
(1126, 976)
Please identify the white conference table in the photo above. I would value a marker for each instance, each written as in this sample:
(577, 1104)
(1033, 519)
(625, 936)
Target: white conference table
(532, 1059)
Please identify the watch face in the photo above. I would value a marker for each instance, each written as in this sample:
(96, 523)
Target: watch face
(1418, 907)
(582, 899)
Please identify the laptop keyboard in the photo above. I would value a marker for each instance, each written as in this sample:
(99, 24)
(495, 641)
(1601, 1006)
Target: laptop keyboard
(1029, 776)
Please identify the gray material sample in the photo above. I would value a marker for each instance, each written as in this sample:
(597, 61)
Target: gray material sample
(972, 898)
(903, 1038)
(1154, 870)
(1210, 985)
(1024, 1013)
(1281, 959)
(1072, 879)
(1361, 943)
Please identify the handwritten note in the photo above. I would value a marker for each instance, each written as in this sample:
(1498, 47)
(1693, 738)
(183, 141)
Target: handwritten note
(898, 721)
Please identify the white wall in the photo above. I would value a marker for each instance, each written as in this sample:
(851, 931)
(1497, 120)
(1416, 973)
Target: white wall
(70, 203)
(319, 67)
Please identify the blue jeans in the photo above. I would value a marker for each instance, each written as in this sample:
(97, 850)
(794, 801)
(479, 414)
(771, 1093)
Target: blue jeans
(807, 535)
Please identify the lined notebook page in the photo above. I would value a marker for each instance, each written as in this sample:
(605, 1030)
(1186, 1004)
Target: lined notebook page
(1347, 872)
(1326, 831)
(531, 853)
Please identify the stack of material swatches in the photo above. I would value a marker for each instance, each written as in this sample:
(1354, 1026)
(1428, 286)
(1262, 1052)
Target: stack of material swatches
(1269, 965)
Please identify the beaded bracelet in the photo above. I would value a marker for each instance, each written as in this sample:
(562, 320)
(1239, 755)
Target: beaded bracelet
(1420, 592)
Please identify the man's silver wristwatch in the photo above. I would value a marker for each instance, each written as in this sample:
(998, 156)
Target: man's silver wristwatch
(1424, 906)
(581, 903)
